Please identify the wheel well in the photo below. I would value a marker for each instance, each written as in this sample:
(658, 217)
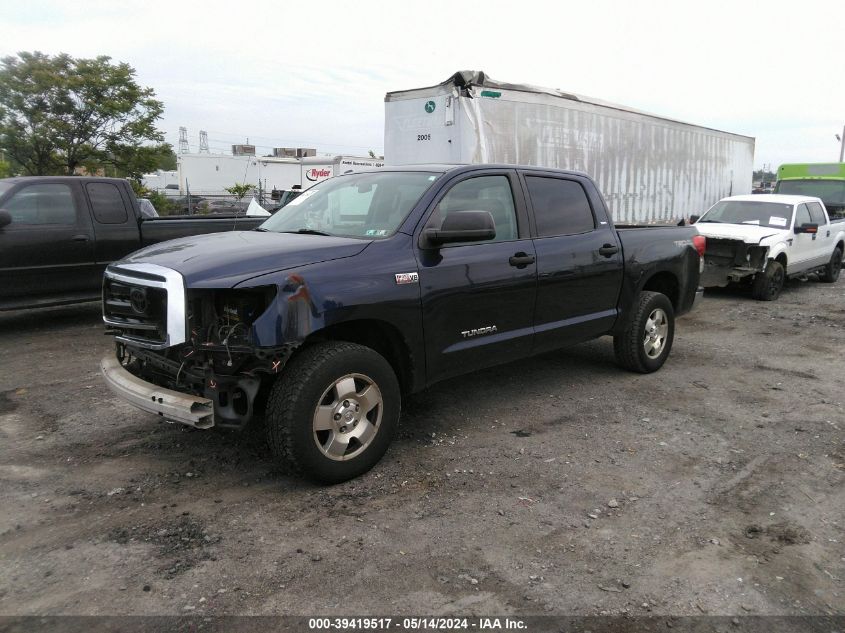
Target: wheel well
(665, 283)
(781, 258)
(380, 336)
(841, 246)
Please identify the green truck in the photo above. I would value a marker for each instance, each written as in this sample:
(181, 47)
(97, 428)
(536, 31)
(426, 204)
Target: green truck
(822, 180)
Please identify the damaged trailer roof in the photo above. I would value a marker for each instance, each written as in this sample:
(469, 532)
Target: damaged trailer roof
(464, 80)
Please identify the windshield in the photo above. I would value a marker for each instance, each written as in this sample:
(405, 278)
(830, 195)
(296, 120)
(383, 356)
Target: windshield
(372, 204)
(774, 215)
(5, 186)
(832, 192)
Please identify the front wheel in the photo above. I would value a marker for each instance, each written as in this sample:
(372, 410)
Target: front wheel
(645, 344)
(333, 412)
(768, 284)
(831, 272)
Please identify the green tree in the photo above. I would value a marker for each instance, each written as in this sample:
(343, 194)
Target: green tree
(239, 191)
(58, 113)
(134, 162)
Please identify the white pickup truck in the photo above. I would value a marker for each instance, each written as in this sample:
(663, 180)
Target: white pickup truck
(764, 239)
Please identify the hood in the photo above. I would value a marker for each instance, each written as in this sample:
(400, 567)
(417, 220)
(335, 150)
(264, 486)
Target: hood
(748, 233)
(221, 260)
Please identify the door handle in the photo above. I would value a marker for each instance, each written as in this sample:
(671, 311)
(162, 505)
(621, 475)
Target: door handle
(521, 260)
(81, 238)
(608, 250)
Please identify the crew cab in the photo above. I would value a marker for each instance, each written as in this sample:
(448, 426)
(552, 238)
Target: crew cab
(58, 234)
(765, 239)
(373, 285)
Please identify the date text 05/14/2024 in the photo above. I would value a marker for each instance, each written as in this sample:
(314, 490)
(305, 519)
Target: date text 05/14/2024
(416, 623)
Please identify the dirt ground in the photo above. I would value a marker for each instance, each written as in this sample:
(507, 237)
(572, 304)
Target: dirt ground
(556, 485)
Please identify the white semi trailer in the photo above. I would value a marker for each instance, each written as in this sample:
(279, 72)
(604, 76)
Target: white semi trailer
(651, 169)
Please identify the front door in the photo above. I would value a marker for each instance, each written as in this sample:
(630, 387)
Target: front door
(802, 255)
(478, 298)
(824, 240)
(48, 249)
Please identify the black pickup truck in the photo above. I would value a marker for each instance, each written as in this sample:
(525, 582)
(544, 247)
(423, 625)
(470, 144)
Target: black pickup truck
(373, 285)
(57, 235)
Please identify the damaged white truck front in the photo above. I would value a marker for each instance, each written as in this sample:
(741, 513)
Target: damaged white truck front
(765, 239)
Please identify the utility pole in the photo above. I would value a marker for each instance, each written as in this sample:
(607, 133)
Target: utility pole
(842, 146)
(203, 142)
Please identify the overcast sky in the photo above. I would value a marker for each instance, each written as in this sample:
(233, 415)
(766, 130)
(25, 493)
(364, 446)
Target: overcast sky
(314, 73)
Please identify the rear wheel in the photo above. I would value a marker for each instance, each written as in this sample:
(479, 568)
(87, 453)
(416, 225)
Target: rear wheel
(333, 412)
(645, 344)
(769, 283)
(831, 272)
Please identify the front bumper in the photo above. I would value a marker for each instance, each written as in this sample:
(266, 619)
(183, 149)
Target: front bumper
(171, 405)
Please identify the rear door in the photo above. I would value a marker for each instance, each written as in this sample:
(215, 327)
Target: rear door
(478, 298)
(579, 260)
(48, 249)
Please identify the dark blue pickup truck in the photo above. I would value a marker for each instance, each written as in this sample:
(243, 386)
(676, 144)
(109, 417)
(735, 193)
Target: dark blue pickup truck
(373, 285)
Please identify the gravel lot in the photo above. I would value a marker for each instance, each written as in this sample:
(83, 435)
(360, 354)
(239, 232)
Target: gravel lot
(556, 485)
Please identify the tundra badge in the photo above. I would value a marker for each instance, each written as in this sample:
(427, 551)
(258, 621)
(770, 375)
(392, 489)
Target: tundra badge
(478, 331)
(407, 278)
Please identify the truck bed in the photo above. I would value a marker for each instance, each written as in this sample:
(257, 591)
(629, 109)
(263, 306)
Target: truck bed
(154, 230)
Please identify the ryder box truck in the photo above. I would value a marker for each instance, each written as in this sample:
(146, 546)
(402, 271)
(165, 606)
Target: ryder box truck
(651, 168)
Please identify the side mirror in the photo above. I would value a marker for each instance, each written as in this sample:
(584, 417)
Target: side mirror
(807, 228)
(462, 226)
(5, 218)
(693, 219)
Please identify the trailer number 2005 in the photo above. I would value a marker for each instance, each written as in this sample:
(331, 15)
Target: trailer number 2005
(423, 137)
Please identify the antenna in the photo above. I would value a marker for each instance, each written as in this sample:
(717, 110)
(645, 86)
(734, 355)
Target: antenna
(183, 140)
(203, 142)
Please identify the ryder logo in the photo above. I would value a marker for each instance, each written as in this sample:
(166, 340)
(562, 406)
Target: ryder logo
(315, 174)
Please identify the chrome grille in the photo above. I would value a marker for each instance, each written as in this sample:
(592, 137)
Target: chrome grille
(138, 311)
(145, 303)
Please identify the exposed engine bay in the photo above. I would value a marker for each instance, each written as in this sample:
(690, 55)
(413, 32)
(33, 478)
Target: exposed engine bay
(219, 361)
(727, 260)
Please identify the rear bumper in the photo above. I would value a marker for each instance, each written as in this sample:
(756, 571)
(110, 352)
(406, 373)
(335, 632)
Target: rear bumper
(171, 405)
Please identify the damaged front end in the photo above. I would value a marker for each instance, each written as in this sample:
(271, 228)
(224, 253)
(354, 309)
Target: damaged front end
(727, 261)
(198, 343)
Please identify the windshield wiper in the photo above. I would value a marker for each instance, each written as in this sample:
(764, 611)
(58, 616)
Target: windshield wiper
(258, 228)
(713, 221)
(308, 232)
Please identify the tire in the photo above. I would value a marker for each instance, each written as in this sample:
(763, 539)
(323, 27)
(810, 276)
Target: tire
(768, 284)
(831, 271)
(647, 340)
(319, 419)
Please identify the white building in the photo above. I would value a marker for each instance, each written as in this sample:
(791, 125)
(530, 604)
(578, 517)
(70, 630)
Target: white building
(159, 179)
(212, 173)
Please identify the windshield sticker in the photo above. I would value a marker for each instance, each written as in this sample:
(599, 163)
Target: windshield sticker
(376, 232)
(776, 221)
(301, 197)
